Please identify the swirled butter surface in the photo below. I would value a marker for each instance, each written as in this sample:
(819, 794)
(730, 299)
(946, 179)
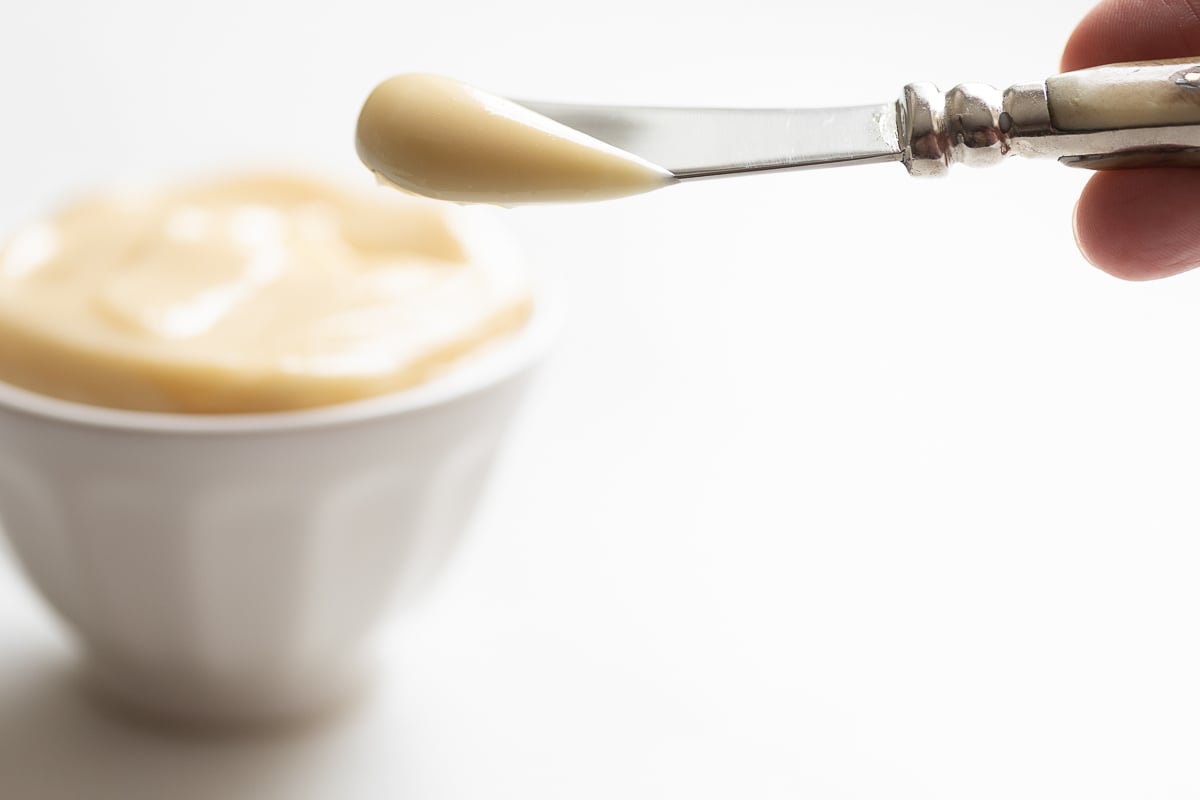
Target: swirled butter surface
(250, 294)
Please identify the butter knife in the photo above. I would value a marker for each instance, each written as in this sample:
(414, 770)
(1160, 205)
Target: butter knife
(1111, 117)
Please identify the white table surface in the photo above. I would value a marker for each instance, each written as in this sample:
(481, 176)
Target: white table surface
(841, 484)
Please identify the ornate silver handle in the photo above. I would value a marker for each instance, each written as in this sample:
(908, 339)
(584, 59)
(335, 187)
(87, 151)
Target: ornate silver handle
(1112, 117)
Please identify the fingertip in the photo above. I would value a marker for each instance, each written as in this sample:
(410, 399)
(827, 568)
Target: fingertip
(1079, 242)
(1133, 30)
(1140, 225)
(1089, 42)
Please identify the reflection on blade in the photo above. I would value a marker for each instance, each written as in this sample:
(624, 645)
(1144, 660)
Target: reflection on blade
(700, 142)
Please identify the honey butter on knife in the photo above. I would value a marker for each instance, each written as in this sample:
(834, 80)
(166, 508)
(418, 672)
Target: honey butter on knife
(435, 136)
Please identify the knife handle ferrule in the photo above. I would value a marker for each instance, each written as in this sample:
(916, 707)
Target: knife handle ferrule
(1112, 117)
(959, 126)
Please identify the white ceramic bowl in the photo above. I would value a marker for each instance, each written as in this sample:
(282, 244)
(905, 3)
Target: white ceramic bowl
(227, 568)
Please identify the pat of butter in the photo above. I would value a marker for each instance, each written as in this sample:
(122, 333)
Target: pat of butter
(435, 136)
(258, 293)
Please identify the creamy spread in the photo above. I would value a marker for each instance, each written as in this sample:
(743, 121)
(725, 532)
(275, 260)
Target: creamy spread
(437, 137)
(258, 293)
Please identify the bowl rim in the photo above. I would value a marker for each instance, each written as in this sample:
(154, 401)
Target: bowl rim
(506, 359)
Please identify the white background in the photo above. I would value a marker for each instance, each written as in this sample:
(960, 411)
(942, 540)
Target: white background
(841, 484)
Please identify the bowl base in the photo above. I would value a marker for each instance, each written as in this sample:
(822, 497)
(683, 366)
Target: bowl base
(187, 705)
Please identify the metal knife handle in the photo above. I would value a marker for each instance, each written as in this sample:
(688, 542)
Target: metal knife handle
(1112, 117)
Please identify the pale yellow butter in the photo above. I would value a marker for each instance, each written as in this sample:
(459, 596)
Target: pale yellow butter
(258, 293)
(441, 138)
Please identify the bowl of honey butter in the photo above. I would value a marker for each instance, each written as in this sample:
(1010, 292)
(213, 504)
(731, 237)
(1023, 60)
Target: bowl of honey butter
(243, 417)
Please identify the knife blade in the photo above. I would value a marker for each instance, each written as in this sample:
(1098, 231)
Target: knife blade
(709, 142)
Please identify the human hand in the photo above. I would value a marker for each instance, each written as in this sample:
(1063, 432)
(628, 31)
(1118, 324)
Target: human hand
(1138, 224)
